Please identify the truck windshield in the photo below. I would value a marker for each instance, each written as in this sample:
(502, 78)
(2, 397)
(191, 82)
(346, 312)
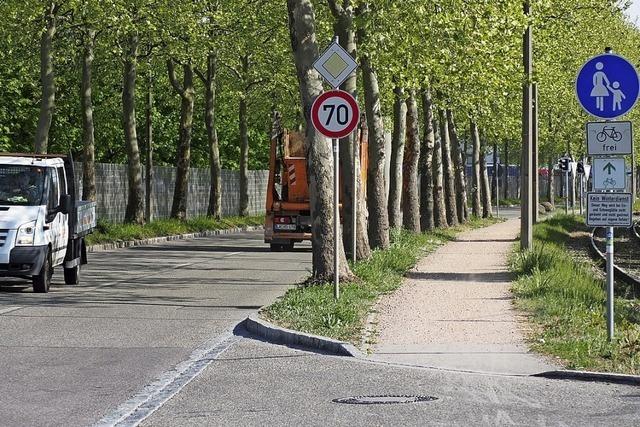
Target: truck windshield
(21, 185)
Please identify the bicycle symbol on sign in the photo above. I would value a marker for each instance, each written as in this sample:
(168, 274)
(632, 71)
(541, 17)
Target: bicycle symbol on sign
(610, 133)
(609, 183)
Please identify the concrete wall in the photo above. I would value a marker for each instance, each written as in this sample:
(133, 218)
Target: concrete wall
(112, 187)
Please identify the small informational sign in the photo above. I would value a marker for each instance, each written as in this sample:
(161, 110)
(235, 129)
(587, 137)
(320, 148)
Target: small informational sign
(335, 65)
(609, 138)
(607, 86)
(609, 209)
(609, 173)
(335, 114)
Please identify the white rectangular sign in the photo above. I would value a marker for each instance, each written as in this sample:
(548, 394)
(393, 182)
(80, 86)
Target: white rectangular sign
(609, 210)
(609, 173)
(609, 138)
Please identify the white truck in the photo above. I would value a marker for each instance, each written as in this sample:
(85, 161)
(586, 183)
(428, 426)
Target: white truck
(42, 224)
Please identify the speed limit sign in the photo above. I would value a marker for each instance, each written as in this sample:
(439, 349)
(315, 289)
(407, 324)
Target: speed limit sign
(335, 114)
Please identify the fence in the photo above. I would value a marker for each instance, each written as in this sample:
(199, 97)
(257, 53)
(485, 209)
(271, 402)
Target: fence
(112, 189)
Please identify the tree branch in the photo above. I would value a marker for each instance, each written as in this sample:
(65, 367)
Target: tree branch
(172, 77)
(336, 9)
(235, 71)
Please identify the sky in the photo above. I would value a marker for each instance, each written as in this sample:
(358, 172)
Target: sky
(634, 11)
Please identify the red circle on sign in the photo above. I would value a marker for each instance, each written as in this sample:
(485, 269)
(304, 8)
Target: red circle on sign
(329, 108)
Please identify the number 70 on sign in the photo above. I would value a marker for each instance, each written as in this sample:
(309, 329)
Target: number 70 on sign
(335, 114)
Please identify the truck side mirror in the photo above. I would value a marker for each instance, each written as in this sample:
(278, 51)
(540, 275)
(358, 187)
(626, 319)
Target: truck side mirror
(65, 204)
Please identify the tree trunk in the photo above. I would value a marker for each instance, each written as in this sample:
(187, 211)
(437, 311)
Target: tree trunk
(505, 174)
(376, 191)
(410, 196)
(486, 186)
(183, 160)
(88, 140)
(397, 153)
(551, 184)
(47, 78)
(426, 165)
(475, 196)
(461, 182)
(439, 205)
(344, 29)
(215, 193)
(135, 202)
(449, 173)
(244, 140)
(149, 161)
(318, 150)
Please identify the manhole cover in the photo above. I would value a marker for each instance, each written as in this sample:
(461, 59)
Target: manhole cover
(389, 399)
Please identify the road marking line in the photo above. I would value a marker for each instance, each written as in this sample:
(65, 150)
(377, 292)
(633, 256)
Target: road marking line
(9, 310)
(153, 396)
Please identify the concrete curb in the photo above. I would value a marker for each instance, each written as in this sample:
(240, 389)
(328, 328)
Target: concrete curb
(277, 335)
(607, 377)
(102, 247)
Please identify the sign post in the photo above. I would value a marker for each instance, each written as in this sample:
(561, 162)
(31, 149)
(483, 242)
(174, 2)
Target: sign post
(335, 114)
(607, 87)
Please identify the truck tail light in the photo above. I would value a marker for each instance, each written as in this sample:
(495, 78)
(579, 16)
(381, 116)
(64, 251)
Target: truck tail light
(282, 220)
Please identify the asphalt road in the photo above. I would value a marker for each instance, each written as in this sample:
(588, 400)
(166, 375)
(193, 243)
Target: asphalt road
(74, 355)
(259, 384)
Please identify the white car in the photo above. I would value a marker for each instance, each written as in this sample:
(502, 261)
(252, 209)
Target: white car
(42, 225)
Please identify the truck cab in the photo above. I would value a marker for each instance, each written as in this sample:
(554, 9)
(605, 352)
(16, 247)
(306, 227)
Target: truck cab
(42, 225)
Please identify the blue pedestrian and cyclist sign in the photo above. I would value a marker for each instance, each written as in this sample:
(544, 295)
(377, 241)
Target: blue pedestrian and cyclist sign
(607, 86)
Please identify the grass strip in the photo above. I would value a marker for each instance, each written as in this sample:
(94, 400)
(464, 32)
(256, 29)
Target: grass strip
(312, 308)
(108, 232)
(563, 291)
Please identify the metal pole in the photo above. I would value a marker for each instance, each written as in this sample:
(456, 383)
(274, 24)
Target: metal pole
(610, 295)
(496, 168)
(356, 171)
(581, 192)
(526, 193)
(566, 192)
(336, 218)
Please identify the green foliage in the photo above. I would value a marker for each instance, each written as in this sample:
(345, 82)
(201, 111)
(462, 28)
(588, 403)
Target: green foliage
(567, 302)
(313, 308)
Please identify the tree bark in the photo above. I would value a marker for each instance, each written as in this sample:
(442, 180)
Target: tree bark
(505, 174)
(439, 204)
(410, 196)
(426, 165)
(475, 196)
(149, 161)
(183, 160)
(47, 79)
(86, 102)
(318, 150)
(344, 29)
(449, 174)
(461, 182)
(214, 209)
(135, 201)
(244, 139)
(486, 186)
(376, 190)
(397, 153)
(551, 184)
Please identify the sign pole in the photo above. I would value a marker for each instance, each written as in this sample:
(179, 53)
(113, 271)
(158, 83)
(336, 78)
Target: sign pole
(336, 218)
(581, 192)
(356, 171)
(566, 193)
(610, 295)
(495, 171)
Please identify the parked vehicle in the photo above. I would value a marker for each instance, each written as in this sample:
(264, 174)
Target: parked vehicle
(42, 224)
(288, 212)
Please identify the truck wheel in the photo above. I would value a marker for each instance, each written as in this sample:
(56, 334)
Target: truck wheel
(276, 247)
(72, 275)
(42, 281)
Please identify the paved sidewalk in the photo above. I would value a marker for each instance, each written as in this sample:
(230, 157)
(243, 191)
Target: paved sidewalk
(455, 310)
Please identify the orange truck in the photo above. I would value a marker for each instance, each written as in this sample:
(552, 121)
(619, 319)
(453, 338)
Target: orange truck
(288, 212)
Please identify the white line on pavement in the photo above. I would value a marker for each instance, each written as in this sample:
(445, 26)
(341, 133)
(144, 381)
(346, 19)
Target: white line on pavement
(153, 396)
(9, 310)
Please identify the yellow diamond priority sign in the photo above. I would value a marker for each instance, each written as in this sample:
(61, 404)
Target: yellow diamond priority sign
(335, 65)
